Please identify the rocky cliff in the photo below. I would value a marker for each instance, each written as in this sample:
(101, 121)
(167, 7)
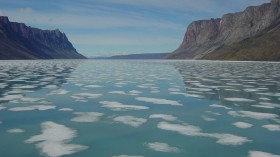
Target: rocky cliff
(249, 35)
(18, 41)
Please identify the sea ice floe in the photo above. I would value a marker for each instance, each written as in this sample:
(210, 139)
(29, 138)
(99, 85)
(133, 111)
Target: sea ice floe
(270, 104)
(66, 109)
(158, 101)
(117, 106)
(54, 140)
(15, 130)
(213, 113)
(83, 96)
(2, 107)
(118, 92)
(11, 97)
(135, 92)
(194, 95)
(174, 89)
(93, 86)
(25, 87)
(162, 147)
(51, 86)
(164, 117)
(261, 154)
(254, 115)
(239, 99)
(272, 127)
(86, 117)
(263, 106)
(128, 156)
(220, 106)
(242, 125)
(208, 118)
(59, 92)
(33, 107)
(191, 130)
(130, 120)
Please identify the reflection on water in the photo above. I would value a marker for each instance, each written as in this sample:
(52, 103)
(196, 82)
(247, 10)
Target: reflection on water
(139, 108)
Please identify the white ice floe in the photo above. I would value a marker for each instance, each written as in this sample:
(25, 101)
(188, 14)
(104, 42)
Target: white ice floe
(194, 95)
(191, 130)
(86, 117)
(128, 156)
(54, 140)
(93, 86)
(118, 92)
(130, 120)
(66, 109)
(261, 154)
(213, 113)
(270, 104)
(263, 106)
(162, 147)
(164, 117)
(15, 131)
(88, 95)
(33, 107)
(239, 99)
(272, 127)
(25, 87)
(220, 106)
(59, 92)
(208, 118)
(117, 106)
(174, 89)
(51, 86)
(11, 97)
(135, 92)
(254, 115)
(158, 101)
(2, 107)
(242, 125)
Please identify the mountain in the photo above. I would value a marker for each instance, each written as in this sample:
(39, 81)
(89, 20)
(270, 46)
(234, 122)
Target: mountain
(18, 41)
(253, 34)
(136, 56)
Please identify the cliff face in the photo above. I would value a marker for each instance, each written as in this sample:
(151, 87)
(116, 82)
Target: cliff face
(205, 37)
(18, 41)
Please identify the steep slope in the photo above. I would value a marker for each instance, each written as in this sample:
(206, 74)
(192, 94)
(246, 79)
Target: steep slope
(18, 41)
(206, 37)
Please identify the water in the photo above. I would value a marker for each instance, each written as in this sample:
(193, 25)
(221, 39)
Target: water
(139, 108)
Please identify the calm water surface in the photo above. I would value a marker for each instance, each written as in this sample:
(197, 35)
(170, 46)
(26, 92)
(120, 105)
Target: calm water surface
(139, 109)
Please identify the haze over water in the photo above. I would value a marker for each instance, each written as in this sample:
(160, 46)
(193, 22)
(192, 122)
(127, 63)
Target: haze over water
(139, 108)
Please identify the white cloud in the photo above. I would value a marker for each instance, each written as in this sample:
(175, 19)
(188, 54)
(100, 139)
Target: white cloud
(162, 147)
(130, 120)
(54, 140)
(26, 10)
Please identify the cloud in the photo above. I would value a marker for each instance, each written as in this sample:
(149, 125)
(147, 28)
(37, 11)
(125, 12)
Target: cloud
(26, 10)
(54, 140)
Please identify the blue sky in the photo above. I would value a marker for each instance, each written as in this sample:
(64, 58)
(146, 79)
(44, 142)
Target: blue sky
(110, 27)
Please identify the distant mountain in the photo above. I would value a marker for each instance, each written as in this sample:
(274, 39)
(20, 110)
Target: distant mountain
(136, 56)
(253, 34)
(18, 41)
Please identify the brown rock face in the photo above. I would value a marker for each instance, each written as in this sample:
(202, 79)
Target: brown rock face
(206, 36)
(18, 41)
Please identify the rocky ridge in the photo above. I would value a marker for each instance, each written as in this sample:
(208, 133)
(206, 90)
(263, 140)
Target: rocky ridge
(18, 41)
(215, 36)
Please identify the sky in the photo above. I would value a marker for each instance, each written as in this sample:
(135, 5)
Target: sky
(114, 27)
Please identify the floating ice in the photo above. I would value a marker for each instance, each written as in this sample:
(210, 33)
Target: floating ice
(2, 107)
(254, 115)
(128, 156)
(213, 113)
(261, 154)
(15, 130)
(85, 117)
(208, 118)
(25, 87)
(53, 141)
(220, 106)
(130, 120)
(118, 92)
(117, 106)
(272, 127)
(93, 86)
(190, 130)
(270, 104)
(242, 125)
(239, 99)
(174, 89)
(59, 92)
(66, 109)
(88, 95)
(34, 107)
(162, 147)
(11, 97)
(164, 117)
(158, 101)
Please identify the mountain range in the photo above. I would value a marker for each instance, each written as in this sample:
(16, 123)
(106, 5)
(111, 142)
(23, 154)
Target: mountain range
(18, 41)
(253, 34)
